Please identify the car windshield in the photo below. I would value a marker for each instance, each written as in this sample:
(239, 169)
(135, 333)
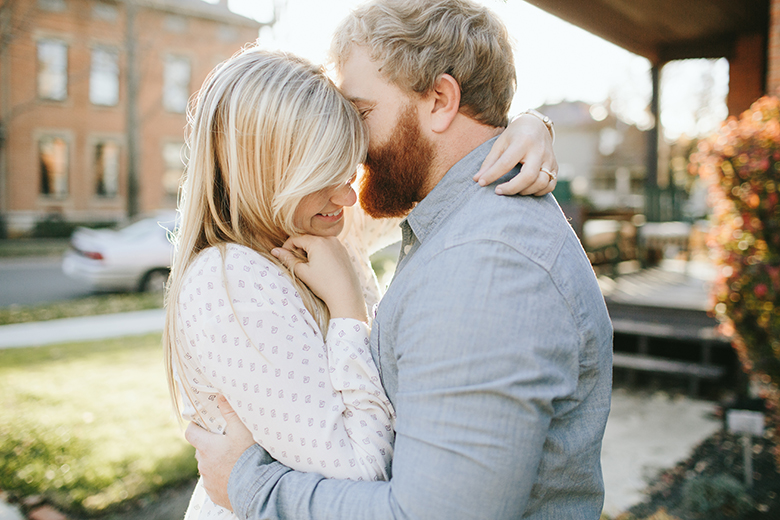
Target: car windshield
(144, 228)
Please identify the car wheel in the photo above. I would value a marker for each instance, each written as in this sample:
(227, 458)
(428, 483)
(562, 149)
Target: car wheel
(154, 281)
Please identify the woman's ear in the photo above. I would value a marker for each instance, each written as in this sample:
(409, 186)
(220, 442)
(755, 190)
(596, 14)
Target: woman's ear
(446, 103)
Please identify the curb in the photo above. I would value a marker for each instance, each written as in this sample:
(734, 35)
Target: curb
(85, 328)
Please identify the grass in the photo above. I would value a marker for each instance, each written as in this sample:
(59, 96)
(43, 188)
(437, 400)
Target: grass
(25, 247)
(87, 306)
(88, 426)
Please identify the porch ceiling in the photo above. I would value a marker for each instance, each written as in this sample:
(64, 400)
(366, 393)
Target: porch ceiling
(664, 30)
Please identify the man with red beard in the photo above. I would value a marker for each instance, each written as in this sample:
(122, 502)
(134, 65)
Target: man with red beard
(493, 340)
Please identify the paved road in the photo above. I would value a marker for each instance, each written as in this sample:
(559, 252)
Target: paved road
(29, 281)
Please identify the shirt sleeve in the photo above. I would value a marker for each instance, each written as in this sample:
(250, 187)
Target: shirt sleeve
(477, 391)
(316, 405)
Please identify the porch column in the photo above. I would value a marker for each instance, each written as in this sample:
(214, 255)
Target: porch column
(773, 61)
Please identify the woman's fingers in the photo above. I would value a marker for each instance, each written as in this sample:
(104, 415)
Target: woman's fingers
(531, 180)
(542, 185)
(292, 261)
(300, 244)
(525, 141)
(494, 162)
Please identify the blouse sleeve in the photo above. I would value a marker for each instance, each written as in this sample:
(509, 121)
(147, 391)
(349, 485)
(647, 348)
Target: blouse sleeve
(315, 405)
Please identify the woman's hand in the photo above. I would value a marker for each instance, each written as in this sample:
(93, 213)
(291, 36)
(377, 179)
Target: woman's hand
(328, 273)
(526, 140)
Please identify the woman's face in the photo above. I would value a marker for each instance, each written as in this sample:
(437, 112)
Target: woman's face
(322, 213)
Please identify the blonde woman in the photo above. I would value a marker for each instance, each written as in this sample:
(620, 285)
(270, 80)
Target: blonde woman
(274, 148)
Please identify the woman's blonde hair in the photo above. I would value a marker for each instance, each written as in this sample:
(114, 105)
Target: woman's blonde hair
(265, 130)
(416, 41)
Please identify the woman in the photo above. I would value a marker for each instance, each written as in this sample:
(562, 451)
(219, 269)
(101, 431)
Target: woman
(274, 147)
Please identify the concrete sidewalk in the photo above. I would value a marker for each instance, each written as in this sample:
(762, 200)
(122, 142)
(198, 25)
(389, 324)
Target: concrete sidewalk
(81, 329)
(645, 433)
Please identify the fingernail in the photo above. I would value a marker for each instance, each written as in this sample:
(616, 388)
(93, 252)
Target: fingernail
(499, 191)
(482, 182)
(276, 252)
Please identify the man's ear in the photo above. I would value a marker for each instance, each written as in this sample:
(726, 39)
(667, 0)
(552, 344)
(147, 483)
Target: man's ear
(446, 103)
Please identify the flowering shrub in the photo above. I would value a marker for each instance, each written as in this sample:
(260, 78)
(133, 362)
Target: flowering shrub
(742, 164)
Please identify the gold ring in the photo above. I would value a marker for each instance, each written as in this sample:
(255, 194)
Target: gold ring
(552, 175)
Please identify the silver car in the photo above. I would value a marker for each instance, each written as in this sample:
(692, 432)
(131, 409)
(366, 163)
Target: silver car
(135, 258)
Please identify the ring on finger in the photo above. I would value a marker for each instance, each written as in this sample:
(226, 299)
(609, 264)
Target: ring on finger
(553, 175)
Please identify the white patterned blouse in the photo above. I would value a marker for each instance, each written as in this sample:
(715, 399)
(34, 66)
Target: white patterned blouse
(314, 404)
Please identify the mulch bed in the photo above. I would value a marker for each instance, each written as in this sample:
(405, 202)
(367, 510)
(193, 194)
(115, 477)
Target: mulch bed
(698, 488)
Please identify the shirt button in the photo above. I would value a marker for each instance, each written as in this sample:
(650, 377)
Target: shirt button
(407, 247)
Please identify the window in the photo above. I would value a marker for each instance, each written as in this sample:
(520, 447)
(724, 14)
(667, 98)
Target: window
(105, 12)
(174, 168)
(227, 33)
(175, 24)
(53, 157)
(107, 168)
(104, 77)
(176, 84)
(52, 70)
(56, 6)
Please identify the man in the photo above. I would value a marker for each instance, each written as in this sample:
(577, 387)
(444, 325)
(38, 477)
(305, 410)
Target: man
(493, 340)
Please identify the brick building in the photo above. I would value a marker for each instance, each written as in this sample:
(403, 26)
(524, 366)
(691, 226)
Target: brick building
(93, 95)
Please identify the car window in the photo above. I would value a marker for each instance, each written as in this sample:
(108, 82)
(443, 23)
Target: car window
(146, 227)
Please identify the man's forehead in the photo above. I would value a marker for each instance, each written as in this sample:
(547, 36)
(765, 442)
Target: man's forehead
(357, 69)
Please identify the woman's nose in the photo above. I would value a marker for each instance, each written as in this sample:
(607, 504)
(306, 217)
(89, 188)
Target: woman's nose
(345, 196)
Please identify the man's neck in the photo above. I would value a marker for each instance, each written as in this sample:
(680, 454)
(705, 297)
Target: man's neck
(463, 136)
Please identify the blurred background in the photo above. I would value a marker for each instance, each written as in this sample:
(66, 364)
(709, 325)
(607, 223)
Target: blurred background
(93, 100)
(94, 94)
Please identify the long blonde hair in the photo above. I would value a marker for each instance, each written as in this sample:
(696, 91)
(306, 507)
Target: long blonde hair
(265, 130)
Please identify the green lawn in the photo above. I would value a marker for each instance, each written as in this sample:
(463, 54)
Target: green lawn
(22, 247)
(87, 306)
(89, 425)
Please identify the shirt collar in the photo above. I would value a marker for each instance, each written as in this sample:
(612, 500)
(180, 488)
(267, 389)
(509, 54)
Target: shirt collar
(456, 184)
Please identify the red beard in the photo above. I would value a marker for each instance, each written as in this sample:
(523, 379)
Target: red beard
(396, 172)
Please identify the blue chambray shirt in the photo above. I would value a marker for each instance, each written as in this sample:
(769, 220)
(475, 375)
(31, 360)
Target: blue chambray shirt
(495, 347)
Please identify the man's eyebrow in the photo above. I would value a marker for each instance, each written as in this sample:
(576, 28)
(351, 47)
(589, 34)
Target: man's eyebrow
(356, 100)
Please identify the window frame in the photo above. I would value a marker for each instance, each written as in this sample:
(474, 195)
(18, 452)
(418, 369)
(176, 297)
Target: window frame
(168, 167)
(112, 51)
(41, 72)
(170, 104)
(67, 139)
(95, 166)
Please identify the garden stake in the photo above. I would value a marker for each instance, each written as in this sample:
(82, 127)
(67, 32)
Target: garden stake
(746, 445)
(748, 423)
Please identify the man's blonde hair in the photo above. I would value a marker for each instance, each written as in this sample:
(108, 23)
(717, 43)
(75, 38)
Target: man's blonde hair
(265, 130)
(416, 41)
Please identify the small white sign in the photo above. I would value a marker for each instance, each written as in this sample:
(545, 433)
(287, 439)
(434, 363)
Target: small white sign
(745, 421)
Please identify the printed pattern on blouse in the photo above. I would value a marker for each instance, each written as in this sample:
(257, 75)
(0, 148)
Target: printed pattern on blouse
(314, 405)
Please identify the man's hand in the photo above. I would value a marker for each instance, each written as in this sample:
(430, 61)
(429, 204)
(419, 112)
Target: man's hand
(528, 141)
(217, 454)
